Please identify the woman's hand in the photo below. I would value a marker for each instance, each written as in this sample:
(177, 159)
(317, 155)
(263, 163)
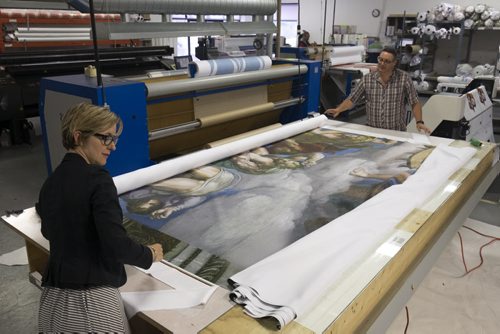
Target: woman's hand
(157, 252)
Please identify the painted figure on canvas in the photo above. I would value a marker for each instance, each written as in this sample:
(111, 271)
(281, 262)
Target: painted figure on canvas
(246, 207)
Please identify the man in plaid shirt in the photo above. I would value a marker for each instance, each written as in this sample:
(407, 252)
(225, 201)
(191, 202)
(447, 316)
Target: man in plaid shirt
(385, 93)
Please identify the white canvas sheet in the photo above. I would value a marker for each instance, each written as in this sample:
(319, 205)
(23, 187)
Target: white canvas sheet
(290, 281)
(186, 292)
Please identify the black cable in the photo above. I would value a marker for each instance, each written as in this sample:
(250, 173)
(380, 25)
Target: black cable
(324, 32)
(333, 20)
(96, 51)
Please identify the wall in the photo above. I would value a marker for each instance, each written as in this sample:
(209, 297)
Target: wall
(397, 7)
(347, 12)
(483, 46)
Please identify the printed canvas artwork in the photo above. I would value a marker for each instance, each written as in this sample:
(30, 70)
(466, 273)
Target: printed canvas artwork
(219, 219)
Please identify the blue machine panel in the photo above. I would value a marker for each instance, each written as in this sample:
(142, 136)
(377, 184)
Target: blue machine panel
(127, 99)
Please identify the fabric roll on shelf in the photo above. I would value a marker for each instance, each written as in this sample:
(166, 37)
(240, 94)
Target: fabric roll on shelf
(455, 79)
(212, 67)
(413, 49)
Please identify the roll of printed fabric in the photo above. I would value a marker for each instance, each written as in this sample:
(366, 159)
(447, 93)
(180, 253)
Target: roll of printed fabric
(212, 67)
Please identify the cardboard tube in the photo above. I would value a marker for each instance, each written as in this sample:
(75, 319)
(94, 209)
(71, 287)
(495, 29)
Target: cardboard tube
(235, 114)
(413, 49)
(243, 135)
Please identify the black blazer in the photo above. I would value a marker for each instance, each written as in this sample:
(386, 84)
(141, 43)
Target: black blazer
(82, 219)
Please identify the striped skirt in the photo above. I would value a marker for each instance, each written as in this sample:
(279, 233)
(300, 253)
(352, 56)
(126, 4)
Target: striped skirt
(94, 310)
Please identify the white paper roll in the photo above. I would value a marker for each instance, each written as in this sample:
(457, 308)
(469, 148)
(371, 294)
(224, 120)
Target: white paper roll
(457, 79)
(169, 168)
(346, 60)
(341, 51)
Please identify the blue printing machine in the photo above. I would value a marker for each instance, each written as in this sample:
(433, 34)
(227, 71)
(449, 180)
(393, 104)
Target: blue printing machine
(129, 100)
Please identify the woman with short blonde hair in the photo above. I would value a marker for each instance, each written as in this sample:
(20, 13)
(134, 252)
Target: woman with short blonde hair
(82, 219)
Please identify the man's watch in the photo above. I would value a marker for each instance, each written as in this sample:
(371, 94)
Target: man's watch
(420, 122)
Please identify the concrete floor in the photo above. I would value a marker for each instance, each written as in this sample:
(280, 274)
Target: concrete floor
(22, 172)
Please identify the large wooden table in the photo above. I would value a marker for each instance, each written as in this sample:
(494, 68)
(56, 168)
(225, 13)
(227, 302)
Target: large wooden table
(372, 306)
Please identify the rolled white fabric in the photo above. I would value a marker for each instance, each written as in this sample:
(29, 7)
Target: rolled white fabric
(422, 16)
(429, 30)
(415, 30)
(347, 55)
(442, 33)
(468, 23)
(478, 70)
(495, 15)
(459, 17)
(457, 79)
(480, 8)
(206, 68)
(469, 10)
(464, 70)
(168, 168)
(342, 51)
(345, 60)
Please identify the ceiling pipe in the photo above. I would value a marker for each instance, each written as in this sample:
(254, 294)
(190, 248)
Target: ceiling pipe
(205, 7)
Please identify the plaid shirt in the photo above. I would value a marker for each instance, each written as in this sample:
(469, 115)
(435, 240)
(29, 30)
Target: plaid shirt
(385, 106)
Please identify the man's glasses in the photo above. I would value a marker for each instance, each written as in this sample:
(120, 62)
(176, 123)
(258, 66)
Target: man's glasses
(106, 139)
(384, 61)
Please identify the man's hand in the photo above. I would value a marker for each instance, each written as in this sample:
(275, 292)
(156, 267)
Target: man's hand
(422, 128)
(333, 112)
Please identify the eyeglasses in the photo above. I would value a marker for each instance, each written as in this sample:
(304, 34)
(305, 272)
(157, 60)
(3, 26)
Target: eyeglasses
(384, 61)
(106, 139)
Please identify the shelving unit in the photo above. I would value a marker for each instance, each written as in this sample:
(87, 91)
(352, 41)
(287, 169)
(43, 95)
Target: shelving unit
(399, 25)
(12, 19)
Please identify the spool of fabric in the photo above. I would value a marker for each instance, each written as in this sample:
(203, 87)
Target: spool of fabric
(345, 60)
(405, 59)
(442, 33)
(429, 30)
(457, 79)
(478, 70)
(343, 51)
(347, 54)
(464, 70)
(206, 68)
(422, 16)
(415, 30)
(413, 49)
(459, 16)
(469, 10)
(468, 23)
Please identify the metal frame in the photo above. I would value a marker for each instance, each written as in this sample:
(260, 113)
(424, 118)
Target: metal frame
(397, 303)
